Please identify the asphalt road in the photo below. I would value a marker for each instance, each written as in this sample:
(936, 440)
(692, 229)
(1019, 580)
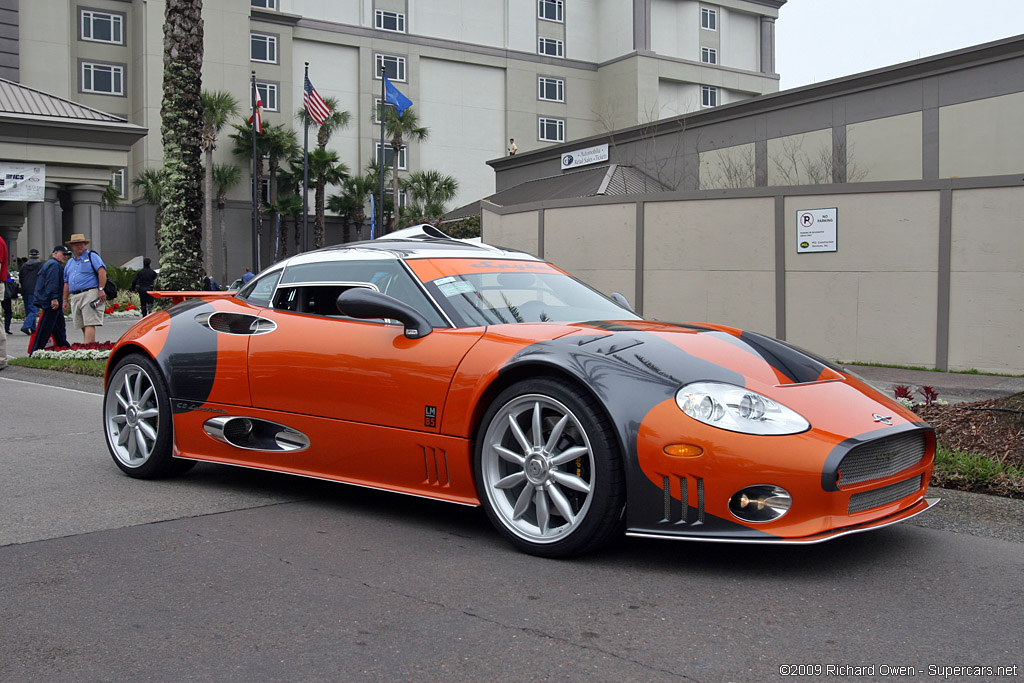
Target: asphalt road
(232, 575)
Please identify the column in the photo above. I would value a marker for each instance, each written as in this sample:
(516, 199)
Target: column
(51, 226)
(767, 45)
(10, 228)
(85, 217)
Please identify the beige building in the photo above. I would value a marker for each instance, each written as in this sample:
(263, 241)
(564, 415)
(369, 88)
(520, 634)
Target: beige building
(873, 218)
(540, 71)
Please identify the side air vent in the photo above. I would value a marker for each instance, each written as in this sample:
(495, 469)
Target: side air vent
(435, 463)
(685, 516)
(236, 323)
(252, 434)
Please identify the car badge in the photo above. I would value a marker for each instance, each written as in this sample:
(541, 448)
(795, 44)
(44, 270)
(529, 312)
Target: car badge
(882, 418)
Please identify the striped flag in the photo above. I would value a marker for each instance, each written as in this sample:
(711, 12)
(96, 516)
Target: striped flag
(315, 105)
(257, 110)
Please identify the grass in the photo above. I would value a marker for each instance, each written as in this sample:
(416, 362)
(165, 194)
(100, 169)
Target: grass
(977, 472)
(92, 368)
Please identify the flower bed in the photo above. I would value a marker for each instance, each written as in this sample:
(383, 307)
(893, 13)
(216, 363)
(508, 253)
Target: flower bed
(122, 310)
(94, 351)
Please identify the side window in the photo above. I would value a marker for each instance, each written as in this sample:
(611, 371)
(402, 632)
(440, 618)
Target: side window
(260, 291)
(313, 288)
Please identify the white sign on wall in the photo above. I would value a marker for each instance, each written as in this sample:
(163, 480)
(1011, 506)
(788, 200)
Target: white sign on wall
(22, 182)
(817, 230)
(583, 157)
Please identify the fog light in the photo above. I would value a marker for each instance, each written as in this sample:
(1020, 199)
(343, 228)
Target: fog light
(683, 450)
(762, 503)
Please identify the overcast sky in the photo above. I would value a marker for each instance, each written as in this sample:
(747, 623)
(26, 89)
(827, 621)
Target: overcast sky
(818, 40)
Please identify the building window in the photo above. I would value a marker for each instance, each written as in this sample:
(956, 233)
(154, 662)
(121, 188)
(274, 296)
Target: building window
(389, 156)
(402, 199)
(117, 181)
(105, 79)
(268, 95)
(709, 18)
(550, 10)
(709, 55)
(708, 96)
(264, 4)
(264, 190)
(389, 21)
(102, 27)
(551, 89)
(394, 67)
(263, 48)
(550, 46)
(551, 130)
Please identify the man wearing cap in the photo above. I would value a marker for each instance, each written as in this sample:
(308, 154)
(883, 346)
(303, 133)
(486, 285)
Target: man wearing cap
(48, 294)
(84, 279)
(27, 277)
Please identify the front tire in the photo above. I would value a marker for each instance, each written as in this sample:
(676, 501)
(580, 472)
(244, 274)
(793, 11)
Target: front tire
(549, 470)
(137, 420)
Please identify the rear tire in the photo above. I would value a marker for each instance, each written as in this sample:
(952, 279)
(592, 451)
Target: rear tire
(548, 469)
(137, 420)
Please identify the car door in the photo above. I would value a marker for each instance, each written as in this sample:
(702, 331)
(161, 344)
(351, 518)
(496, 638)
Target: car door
(320, 363)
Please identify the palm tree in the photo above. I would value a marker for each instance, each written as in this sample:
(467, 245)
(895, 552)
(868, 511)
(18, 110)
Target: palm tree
(151, 183)
(336, 120)
(399, 127)
(351, 202)
(278, 144)
(110, 198)
(287, 206)
(218, 107)
(225, 177)
(431, 190)
(325, 169)
(242, 138)
(181, 114)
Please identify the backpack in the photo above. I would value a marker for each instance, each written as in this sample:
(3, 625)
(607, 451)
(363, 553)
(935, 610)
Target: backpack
(110, 289)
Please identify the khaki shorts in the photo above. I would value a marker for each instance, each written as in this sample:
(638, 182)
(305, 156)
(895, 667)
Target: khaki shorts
(84, 315)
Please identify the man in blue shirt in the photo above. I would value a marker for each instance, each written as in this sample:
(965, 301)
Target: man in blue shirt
(48, 295)
(84, 279)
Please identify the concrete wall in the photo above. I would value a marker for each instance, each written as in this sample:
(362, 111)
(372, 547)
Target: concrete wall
(926, 273)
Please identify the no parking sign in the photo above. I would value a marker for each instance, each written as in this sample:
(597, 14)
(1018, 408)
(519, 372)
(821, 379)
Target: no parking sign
(817, 230)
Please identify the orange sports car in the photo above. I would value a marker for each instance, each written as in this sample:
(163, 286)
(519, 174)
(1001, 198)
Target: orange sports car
(482, 376)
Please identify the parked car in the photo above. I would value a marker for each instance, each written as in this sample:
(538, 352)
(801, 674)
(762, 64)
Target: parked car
(484, 376)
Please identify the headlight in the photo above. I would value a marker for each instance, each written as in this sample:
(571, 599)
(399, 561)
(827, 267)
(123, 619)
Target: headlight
(737, 409)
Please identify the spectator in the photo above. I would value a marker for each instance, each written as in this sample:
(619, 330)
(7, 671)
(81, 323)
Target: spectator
(49, 290)
(247, 275)
(9, 294)
(84, 279)
(3, 276)
(512, 149)
(144, 282)
(27, 276)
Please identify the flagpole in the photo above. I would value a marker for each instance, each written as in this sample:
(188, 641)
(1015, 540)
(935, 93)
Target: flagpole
(382, 166)
(305, 170)
(255, 189)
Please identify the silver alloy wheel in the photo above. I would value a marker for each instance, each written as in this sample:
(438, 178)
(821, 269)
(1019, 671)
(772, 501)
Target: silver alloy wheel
(538, 468)
(131, 415)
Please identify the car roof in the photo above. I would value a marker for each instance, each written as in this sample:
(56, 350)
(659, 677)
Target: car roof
(421, 241)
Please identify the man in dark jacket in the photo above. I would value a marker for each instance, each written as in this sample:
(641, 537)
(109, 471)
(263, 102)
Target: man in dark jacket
(49, 292)
(27, 275)
(143, 282)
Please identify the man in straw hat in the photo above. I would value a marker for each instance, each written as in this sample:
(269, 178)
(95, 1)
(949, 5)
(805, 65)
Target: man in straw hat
(84, 278)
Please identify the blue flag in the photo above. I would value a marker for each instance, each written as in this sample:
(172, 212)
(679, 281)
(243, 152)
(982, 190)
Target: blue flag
(394, 97)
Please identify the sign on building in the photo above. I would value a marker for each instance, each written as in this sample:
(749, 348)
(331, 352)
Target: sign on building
(583, 157)
(817, 230)
(22, 182)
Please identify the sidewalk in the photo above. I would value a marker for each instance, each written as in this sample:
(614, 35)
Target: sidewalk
(111, 330)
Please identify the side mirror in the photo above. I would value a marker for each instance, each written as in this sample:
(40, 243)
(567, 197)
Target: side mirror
(365, 303)
(622, 301)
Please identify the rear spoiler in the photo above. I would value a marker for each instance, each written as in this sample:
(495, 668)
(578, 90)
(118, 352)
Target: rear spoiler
(178, 297)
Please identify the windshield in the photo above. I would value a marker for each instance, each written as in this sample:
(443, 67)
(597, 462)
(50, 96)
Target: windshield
(496, 296)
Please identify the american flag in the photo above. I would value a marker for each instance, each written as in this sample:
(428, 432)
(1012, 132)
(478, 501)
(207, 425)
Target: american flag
(258, 111)
(315, 105)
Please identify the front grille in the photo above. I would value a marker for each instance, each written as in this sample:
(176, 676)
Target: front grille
(882, 458)
(883, 496)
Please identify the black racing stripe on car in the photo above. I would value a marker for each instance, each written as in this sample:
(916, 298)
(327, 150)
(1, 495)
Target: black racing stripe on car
(797, 365)
(630, 372)
(689, 326)
(189, 357)
(610, 326)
